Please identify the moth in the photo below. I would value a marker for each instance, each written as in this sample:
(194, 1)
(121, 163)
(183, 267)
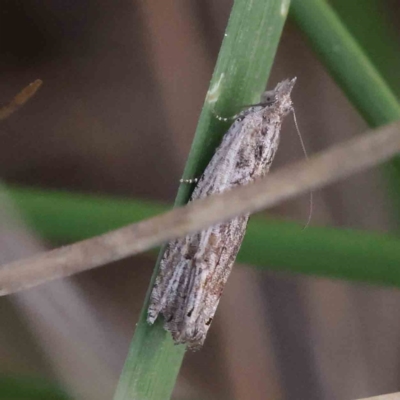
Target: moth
(194, 269)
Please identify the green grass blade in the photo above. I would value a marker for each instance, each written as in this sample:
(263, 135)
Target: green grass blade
(346, 61)
(327, 252)
(65, 217)
(352, 70)
(240, 76)
(376, 33)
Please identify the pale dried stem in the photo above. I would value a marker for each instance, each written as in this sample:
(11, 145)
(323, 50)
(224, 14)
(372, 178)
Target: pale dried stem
(324, 168)
(390, 396)
(20, 99)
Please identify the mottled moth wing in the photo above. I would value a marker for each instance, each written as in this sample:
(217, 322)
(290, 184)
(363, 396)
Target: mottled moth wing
(194, 269)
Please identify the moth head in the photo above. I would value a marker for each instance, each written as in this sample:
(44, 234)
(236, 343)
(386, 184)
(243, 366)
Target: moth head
(282, 95)
(268, 98)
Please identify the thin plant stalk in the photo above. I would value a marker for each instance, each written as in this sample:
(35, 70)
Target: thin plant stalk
(241, 73)
(320, 251)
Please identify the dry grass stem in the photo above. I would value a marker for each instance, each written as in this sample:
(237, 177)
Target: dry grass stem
(390, 396)
(322, 169)
(20, 99)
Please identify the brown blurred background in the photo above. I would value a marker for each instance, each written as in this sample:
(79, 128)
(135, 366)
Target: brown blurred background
(124, 82)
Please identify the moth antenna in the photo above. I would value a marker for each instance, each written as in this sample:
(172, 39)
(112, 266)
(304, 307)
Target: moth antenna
(264, 103)
(306, 157)
(224, 119)
(193, 180)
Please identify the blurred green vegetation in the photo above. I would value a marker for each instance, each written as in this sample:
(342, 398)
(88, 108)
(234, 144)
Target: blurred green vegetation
(321, 251)
(22, 388)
